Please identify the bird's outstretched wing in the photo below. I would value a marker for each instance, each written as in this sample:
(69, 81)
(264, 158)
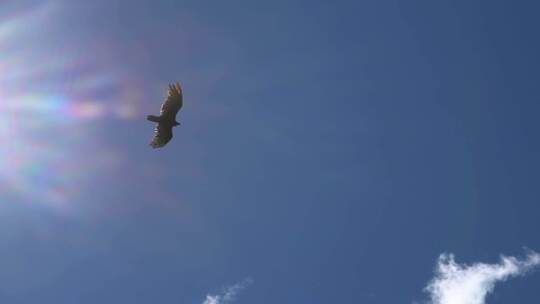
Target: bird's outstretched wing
(162, 135)
(163, 132)
(173, 103)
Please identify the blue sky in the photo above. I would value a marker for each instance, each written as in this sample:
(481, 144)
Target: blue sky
(330, 152)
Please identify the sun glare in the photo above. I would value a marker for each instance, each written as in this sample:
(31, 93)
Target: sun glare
(48, 110)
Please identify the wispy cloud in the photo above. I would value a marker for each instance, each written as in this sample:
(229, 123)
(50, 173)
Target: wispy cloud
(11, 25)
(228, 294)
(470, 284)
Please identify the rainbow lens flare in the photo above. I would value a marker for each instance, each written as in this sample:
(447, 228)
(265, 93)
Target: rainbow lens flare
(50, 101)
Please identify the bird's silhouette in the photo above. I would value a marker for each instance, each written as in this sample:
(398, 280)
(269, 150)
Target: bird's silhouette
(167, 117)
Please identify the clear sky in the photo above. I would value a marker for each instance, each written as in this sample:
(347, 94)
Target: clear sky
(329, 152)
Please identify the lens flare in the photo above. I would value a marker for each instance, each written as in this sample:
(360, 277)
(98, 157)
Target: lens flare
(40, 138)
(51, 100)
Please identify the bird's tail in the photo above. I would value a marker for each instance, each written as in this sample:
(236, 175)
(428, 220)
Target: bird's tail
(153, 118)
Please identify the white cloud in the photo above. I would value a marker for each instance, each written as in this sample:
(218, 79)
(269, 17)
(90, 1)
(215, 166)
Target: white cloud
(469, 284)
(229, 293)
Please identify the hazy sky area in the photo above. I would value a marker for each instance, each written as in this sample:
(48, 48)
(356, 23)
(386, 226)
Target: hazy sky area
(370, 151)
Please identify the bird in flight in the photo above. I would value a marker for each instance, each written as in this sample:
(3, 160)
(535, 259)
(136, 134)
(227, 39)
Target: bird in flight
(167, 117)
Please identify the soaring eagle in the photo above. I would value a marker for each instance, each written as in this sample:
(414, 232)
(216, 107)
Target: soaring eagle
(167, 117)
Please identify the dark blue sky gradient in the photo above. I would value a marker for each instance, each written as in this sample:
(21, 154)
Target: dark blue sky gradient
(328, 150)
